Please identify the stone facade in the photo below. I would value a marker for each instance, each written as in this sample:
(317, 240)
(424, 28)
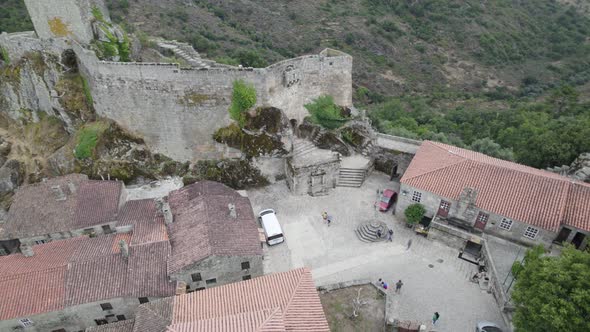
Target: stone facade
(464, 213)
(219, 270)
(76, 318)
(313, 174)
(65, 18)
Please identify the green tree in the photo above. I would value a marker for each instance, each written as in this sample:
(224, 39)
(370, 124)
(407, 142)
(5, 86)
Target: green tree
(491, 148)
(243, 98)
(553, 293)
(325, 113)
(414, 213)
(251, 58)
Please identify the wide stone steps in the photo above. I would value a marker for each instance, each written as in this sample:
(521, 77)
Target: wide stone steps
(367, 232)
(350, 177)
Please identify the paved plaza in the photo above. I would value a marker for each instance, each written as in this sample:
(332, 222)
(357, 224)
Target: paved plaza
(434, 278)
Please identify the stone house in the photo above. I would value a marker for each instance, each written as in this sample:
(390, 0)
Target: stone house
(314, 172)
(60, 208)
(81, 282)
(214, 236)
(286, 301)
(479, 193)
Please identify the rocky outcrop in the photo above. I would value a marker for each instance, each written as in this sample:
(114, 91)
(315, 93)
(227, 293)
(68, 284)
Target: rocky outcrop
(10, 177)
(579, 169)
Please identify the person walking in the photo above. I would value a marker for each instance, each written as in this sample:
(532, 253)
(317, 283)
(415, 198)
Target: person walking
(409, 244)
(329, 219)
(384, 284)
(379, 234)
(390, 235)
(325, 215)
(435, 318)
(398, 286)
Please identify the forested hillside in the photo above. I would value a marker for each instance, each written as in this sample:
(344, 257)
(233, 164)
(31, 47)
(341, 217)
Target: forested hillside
(507, 77)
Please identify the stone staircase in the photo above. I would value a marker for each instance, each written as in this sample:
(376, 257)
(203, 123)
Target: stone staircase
(302, 147)
(185, 51)
(351, 177)
(367, 232)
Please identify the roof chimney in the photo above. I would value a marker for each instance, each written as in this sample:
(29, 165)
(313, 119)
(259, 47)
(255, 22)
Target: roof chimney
(72, 187)
(232, 210)
(180, 287)
(59, 193)
(27, 250)
(124, 248)
(164, 208)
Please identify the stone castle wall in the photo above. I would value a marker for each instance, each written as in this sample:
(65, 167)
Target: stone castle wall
(177, 110)
(64, 18)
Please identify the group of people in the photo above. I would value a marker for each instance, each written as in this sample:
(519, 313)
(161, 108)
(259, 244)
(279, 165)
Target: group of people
(389, 235)
(398, 285)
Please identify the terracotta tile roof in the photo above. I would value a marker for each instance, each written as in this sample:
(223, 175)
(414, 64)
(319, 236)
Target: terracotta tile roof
(288, 301)
(64, 203)
(519, 192)
(32, 293)
(98, 202)
(154, 316)
(148, 224)
(124, 326)
(203, 226)
(147, 270)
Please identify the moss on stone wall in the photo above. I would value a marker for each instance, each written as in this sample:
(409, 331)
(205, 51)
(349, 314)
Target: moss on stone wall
(192, 98)
(11, 74)
(251, 144)
(87, 137)
(58, 27)
(75, 96)
(4, 55)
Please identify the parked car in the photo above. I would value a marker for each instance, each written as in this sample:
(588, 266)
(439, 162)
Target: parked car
(271, 226)
(487, 327)
(387, 199)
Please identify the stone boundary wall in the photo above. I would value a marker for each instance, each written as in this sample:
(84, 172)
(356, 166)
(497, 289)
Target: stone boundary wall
(389, 303)
(400, 139)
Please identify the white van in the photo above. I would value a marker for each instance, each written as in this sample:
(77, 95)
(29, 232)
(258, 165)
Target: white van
(271, 226)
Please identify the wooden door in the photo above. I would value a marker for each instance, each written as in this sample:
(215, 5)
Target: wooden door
(443, 208)
(481, 220)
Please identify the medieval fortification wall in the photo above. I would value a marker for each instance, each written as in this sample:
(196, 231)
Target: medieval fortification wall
(177, 110)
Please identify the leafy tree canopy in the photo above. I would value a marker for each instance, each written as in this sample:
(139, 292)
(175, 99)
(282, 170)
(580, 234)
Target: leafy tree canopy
(325, 113)
(553, 293)
(414, 213)
(243, 98)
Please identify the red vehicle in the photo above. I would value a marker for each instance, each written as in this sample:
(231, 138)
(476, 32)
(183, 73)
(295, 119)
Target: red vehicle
(387, 199)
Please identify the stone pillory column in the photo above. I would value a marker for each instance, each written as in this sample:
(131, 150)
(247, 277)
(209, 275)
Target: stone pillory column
(66, 18)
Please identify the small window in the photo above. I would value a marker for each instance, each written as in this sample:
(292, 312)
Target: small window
(505, 224)
(196, 277)
(121, 317)
(531, 232)
(417, 196)
(200, 288)
(245, 265)
(188, 288)
(107, 229)
(101, 321)
(247, 277)
(211, 281)
(143, 300)
(40, 241)
(25, 322)
(106, 306)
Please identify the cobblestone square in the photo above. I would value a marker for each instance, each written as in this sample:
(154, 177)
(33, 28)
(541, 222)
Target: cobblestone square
(434, 278)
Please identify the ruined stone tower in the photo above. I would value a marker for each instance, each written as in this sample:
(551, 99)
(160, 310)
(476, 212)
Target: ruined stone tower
(65, 18)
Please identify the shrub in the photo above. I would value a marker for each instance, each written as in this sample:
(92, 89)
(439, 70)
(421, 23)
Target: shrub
(251, 58)
(4, 55)
(243, 98)
(87, 139)
(325, 113)
(87, 92)
(414, 213)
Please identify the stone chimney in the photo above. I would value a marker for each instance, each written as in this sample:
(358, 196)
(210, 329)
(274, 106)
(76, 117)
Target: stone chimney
(27, 250)
(124, 248)
(466, 208)
(164, 207)
(180, 287)
(232, 210)
(72, 187)
(59, 193)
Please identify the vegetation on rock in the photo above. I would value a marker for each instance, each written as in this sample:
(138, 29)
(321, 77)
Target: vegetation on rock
(14, 16)
(243, 98)
(552, 293)
(87, 137)
(324, 112)
(414, 213)
(4, 55)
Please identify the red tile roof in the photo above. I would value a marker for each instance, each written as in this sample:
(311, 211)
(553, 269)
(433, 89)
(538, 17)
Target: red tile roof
(278, 302)
(63, 204)
(154, 316)
(148, 224)
(147, 270)
(203, 226)
(519, 192)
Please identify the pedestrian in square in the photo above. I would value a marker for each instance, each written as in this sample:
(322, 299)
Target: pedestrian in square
(390, 235)
(384, 284)
(379, 234)
(409, 244)
(329, 219)
(435, 318)
(398, 286)
(325, 215)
